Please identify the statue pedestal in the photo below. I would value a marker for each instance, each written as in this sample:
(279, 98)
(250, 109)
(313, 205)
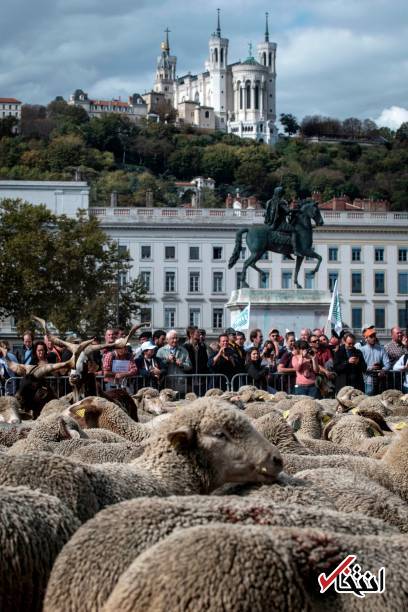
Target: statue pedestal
(285, 309)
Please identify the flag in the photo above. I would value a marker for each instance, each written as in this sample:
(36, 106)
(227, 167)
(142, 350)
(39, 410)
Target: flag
(334, 319)
(240, 321)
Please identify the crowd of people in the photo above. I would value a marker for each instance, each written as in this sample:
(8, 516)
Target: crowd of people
(311, 364)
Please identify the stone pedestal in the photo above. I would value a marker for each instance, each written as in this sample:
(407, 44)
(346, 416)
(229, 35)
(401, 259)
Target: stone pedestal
(285, 309)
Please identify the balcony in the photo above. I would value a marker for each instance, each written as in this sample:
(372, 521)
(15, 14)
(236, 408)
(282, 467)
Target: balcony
(228, 216)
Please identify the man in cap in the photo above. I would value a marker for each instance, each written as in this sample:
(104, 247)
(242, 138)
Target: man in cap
(377, 360)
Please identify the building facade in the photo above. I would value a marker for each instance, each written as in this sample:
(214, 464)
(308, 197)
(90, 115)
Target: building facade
(182, 255)
(60, 197)
(10, 107)
(135, 109)
(238, 98)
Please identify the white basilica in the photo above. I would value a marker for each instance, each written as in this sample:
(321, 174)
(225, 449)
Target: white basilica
(238, 98)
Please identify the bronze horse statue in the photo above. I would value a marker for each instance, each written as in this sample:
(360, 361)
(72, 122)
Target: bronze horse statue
(261, 238)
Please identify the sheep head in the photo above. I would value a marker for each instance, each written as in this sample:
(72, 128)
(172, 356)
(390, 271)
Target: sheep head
(351, 430)
(9, 410)
(222, 442)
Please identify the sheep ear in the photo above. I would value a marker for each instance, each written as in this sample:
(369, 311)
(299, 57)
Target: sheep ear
(64, 430)
(181, 437)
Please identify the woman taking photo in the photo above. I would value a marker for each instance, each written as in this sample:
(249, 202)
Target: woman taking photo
(255, 369)
(304, 361)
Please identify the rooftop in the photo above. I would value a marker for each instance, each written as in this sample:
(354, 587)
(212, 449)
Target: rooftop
(9, 101)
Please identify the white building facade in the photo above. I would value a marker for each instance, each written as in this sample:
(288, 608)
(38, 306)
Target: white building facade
(135, 109)
(241, 95)
(60, 197)
(182, 255)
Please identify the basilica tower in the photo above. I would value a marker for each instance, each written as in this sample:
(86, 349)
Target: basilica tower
(267, 57)
(166, 71)
(217, 67)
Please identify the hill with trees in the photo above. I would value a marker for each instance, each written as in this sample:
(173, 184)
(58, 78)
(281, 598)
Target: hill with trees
(142, 162)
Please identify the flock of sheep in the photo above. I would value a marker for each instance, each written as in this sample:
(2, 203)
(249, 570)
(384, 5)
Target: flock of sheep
(234, 501)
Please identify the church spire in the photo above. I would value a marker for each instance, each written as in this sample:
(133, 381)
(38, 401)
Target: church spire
(218, 23)
(166, 45)
(266, 27)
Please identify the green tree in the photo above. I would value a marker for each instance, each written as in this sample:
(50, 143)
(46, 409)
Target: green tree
(65, 270)
(290, 123)
(402, 133)
(219, 162)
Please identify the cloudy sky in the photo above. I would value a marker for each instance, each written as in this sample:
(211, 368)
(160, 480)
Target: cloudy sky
(335, 57)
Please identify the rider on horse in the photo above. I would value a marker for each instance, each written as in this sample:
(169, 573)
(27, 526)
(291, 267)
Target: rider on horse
(279, 217)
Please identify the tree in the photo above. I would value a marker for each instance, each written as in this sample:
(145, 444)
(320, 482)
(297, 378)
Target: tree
(402, 133)
(8, 126)
(290, 123)
(219, 162)
(64, 270)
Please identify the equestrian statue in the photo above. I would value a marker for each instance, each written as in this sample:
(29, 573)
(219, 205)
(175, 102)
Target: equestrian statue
(285, 230)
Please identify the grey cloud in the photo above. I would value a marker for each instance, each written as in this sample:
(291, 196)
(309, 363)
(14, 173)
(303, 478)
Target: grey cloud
(339, 58)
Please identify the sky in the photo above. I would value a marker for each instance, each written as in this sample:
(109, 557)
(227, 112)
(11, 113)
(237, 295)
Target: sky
(338, 58)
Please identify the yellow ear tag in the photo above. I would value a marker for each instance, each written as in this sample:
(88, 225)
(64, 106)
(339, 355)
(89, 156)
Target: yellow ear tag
(326, 419)
(377, 433)
(285, 414)
(80, 412)
(401, 425)
(354, 410)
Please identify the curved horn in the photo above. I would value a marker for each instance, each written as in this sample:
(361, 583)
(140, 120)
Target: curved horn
(329, 427)
(17, 368)
(43, 370)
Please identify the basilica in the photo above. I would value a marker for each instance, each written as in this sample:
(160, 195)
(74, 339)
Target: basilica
(238, 98)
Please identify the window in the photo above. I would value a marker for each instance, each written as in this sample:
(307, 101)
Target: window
(286, 280)
(357, 318)
(123, 250)
(309, 280)
(194, 282)
(218, 318)
(355, 253)
(238, 280)
(264, 280)
(170, 282)
(122, 279)
(217, 252)
(333, 254)
(402, 317)
(169, 317)
(242, 254)
(194, 317)
(403, 283)
(218, 281)
(146, 252)
(169, 252)
(379, 317)
(146, 280)
(356, 282)
(145, 315)
(402, 255)
(379, 254)
(379, 282)
(194, 253)
(332, 277)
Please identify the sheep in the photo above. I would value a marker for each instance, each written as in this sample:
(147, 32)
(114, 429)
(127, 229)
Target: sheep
(390, 472)
(275, 429)
(9, 434)
(9, 410)
(230, 567)
(104, 435)
(50, 433)
(346, 398)
(195, 450)
(54, 475)
(115, 536)
(307, 419)
(109, 452)
(97, 412)
(33, 529)
(351, 492)
(254, 410)
(351, 430)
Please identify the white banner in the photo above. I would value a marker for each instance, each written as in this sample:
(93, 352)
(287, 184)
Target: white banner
(334, 318)
(240, 320)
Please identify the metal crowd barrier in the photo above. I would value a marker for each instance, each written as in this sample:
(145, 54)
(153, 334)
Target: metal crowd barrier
(201, 383)
(276, 382)
(197, 383)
